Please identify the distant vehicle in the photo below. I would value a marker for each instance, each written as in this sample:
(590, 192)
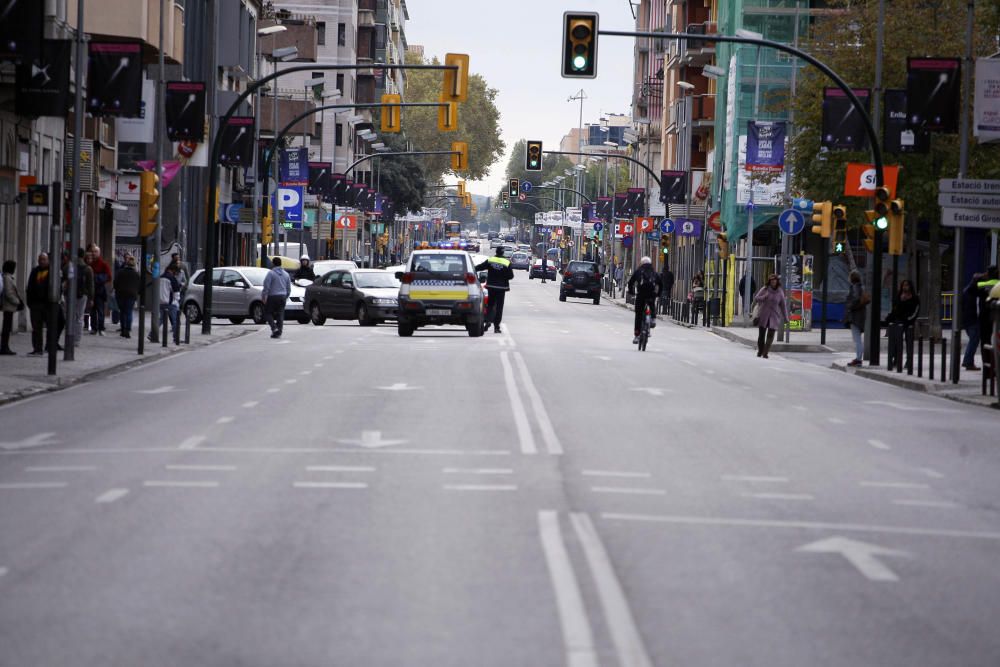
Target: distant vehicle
(440, 287)
(581, 279)
(453, 229)
(492, 235)
(536, 270)
(368, 295)
(496, 242)
(520, 261)
(236, 295)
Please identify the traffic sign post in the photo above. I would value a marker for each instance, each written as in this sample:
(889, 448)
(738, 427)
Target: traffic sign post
(791, 221)
(968, 202)
(666, 226)
(526, 187)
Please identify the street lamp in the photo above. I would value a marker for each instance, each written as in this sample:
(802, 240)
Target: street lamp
(262, 32)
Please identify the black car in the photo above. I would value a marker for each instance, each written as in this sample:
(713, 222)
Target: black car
(368, 295)
(581, 279)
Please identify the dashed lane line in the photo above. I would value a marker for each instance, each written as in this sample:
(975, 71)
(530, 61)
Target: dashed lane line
(33, 485)
(616, 473)
(943, 504)
(192, 442)
(930, 472)
(627, 490)
(330, 485)
(779, 496)
(60, 469)
(754, 478)
(111, 495)
(340, 468)
(895, 485)
(479, 487)
(478, 471)
(273, 390)
(878, 444)
(164, 483)
(224, 420)
(251, 404)
(201, 468)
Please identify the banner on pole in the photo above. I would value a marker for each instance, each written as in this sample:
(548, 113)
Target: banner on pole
(293, 167)
(843, 126)
(114, 79)
(673, 186)
(22, 26)
(766, 145)
(986, 126)
(42, 83)
(319, 179)
(932, 93)
(898, 136)
(140, 129)
(237, 142)
(184, 103)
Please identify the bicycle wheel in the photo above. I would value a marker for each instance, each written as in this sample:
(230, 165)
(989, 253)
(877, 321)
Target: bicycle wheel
(643, 337)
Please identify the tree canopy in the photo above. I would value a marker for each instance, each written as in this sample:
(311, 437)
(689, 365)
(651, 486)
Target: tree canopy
(401, 178)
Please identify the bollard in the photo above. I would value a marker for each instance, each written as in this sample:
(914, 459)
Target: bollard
(187, 329)
(944, 358)
(909, 355)
(165, 317)
(930, 359)
(920, 357)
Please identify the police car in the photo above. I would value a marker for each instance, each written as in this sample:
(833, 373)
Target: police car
(440, 287)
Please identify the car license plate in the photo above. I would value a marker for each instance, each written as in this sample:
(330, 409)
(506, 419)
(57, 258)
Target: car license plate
(438, 311)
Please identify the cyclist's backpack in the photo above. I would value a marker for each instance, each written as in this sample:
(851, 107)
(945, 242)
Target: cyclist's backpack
(646, 281)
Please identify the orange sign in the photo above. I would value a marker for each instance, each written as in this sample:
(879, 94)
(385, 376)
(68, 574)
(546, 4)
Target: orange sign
(347, 222)
(645, 224)
(860, 180)
(24, 181)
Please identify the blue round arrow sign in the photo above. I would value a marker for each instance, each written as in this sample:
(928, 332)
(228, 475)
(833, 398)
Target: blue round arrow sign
(667, 226)
(791, 221)
(526, 186)
(598, 226)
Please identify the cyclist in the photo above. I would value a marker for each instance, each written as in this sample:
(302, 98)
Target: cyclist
(649, 288)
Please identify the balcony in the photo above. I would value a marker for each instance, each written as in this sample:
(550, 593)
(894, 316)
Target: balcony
(696, 51)
(301, 33)
(703, 110)
(287, 110)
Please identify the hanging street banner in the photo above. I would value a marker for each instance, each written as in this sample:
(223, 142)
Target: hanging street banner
(603, 208)
(766, 145)
(184, 103)
(114, 79)
(673, 186)
(932, 98)
(320, 182)
(859, 180)
(986, 109)
(140, 129)
(237, 142)
(687, 227)
(42, 83)
(22, 26)
(635, 204)
(843, 126)
(897, 135)
(293, 167)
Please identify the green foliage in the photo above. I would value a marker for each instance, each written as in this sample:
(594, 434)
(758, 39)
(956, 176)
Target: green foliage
(401, 178)
(478, 122)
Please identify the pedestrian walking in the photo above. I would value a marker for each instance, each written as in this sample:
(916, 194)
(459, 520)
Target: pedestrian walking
(970, 321)
(277, 287)
(667, 280)
(170, 290)
(854, 315)
(498, 276)
(902, 320)
(697, 296)
(771, 313)
(978, 292)
(84, 291)
(37, 293)
(126, 287)
(102, 288)
(11, 303)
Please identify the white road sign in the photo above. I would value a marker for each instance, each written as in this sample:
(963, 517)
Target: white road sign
(970, 217)
(955, 199)
(969, 185)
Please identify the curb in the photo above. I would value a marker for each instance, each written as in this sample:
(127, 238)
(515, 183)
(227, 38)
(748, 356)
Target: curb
(776, 347)
(98, 373)
(924, 388)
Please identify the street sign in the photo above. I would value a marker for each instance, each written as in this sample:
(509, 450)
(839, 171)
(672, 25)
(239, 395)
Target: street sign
(955, 199)
(969, 186)
(38, 200)
(598, 226)
(230, 212)
(526, 186)
(791, 221)
(351, 222)
(290, 201)
(803, 205)
(654, 235)
(667, 226)
(688, 227)
(522, 197)
(627, 241)
(970, 217)
(645, 224)
(246, 214)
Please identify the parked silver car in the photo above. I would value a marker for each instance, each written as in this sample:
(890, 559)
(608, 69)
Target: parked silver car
(236, 295)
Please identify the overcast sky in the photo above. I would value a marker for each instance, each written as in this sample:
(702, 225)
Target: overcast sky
(515, 45)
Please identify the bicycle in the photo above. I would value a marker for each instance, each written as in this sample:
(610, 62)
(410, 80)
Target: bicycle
(647, 321)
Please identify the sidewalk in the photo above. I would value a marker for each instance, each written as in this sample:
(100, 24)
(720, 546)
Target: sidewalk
(22, 376)
(838, 341)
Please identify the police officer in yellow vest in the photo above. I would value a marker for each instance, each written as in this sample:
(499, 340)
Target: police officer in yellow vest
(498, 275)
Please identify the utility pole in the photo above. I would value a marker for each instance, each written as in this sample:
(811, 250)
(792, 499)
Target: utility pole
(159, 120)
(871, 337)
(75, 222)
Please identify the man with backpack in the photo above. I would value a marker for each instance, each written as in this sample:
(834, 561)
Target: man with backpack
(649, 288)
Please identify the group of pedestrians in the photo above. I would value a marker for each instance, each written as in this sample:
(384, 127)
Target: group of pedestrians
(976, 313)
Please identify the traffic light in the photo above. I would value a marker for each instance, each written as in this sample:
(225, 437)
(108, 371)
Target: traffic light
(868, 229)
(512, 188)
(391, 113)
(839, 228)
(897, 223)
(149, 209)
(467, 200)
(461, 188)
(579, 45)
(459, 156)
(822, 219)
(533, 156)
(455, 84)
(723, 241)
(447, 116)
(665, 245)
(266, 230)
(881, 204)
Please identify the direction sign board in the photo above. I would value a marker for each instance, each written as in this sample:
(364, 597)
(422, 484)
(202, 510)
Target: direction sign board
(970, 217)
(667, 226)
(955, 199)
(526, 186)
(598, 226)
(791, 221)
(969, 186)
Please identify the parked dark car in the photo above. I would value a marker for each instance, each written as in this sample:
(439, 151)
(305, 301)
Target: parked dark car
(368, 295)
(536, 270)
(581, 279)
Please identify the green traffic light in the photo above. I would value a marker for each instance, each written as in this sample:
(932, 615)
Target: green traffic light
(882, 223)
(579, 62)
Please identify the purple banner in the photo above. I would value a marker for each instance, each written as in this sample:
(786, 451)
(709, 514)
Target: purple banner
(766, 145)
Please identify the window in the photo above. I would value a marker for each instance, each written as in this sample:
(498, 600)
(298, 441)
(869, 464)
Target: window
(339, 137)
(340, 85)
(321, 33)
(341, 34)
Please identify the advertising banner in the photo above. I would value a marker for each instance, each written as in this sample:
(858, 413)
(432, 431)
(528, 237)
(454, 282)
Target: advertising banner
(621, 201)
(42, 83)
(114, 79)
(673, 186)
(843, 126)
(859, 180)
(932, 93)
(766, 145)
(603, 208)
(293, 166)
(22, 25)
(237, 142)
(897, 136)
(635, 204)
(986, 126)
(184, 103)
(319, 179)
(140, 129)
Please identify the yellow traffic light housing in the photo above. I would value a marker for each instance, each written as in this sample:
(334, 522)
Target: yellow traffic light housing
(455, 85)
(533, 156)
(149, 209)
(461, 188)
(881, 203)
(868, 229)
(822, 219)
(447, 116)
(897, 225)
(512, 187)
(579, 45)
(839, 237)
(459, 156)
(723, 241)
(266, 230)
(391, 121)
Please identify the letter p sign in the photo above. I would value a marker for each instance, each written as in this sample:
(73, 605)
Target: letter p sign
(290, 201)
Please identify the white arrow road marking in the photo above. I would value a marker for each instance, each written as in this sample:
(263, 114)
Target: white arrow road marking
(158, 390)
(652, 391)
(399, 386)
(111, 495)
(878, 444)
(909, 408)
(36, 440)
(372, 440)
(861, 555)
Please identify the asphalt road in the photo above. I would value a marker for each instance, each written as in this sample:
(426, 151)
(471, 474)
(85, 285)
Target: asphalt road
(545, 496)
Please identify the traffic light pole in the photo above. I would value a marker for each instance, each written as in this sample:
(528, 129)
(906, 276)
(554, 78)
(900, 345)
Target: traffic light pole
(213, 162)
(612, 155)
(552, 187)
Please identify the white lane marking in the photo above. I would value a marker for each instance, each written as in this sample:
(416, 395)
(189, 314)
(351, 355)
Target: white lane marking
(398, 386)
(60, 468)
(616, 473)
(771, 396)
(895, 485)
(372, 440)
(192, 442)
(689, 363)
(603, 358)
(291, 381)
(478, 471)
(621, 624)
(801, 408)
(753, 478)
(111, 495)
(779, 496)
(330, 485)
(835, 420)
(340, 468)
(552, 443)
(524, 434)
(878, 444)
(578, 639)
(251, 404)
(709, 371)
(628, 490)
(728, 522)
(329, 357)
(274, 390)
(931, 472)
(283, 342)
(909, 408)
(305, 373)
(33, 485)
(859, 554)
(318, 365)
(652, 391)
(480, 487)
(563, 331)
(36, 440)
(925, 503)
(158, 390)
(224, 420)
(179, 484)
(202, 468)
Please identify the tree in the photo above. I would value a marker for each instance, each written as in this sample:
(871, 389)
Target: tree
(401, 178)
(844, 38)
(478, 122)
